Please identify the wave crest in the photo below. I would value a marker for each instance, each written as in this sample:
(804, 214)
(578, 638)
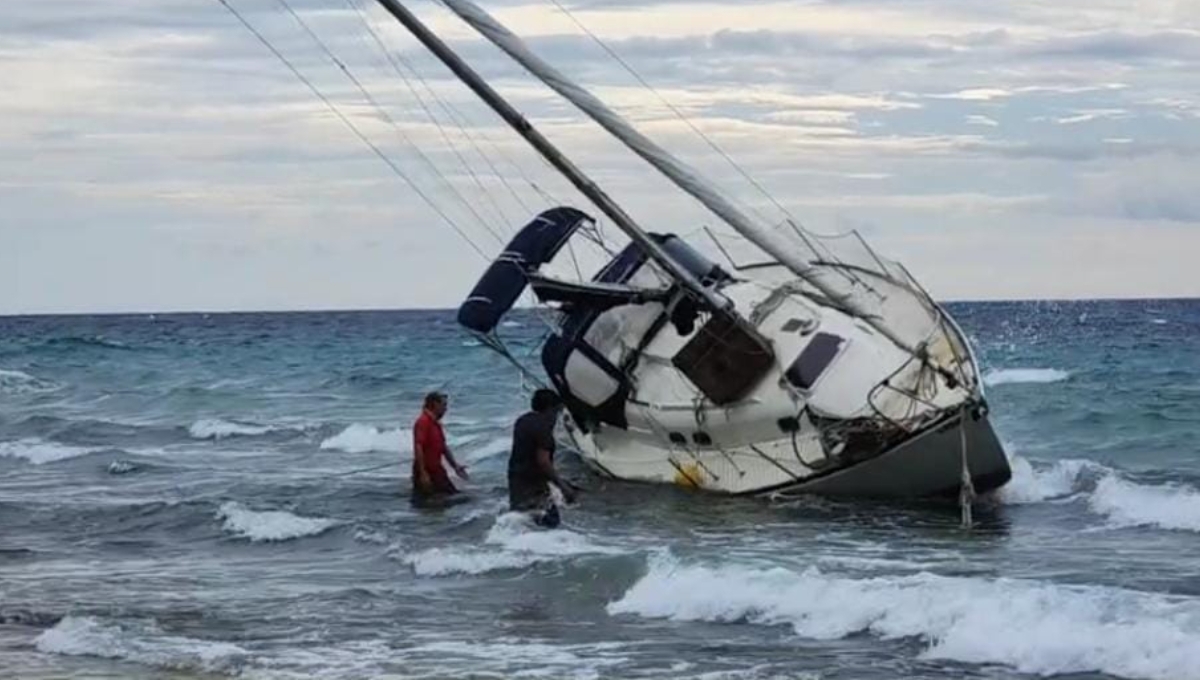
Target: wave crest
(1034, 627)
(216, 429)
(1031, 484)
(358, 438)
(270, 525)
(520, 543)
(1123, 502)
(40, 451)
(87, 636)
(1128, 504)
(20, 382)
(1012, 376)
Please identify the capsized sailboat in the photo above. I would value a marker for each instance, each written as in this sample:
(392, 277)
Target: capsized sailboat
(817, 370)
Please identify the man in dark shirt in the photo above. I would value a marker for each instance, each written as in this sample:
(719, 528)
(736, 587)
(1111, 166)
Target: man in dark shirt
(531, 464)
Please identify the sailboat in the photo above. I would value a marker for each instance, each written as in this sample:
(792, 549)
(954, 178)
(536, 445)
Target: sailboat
(813, 371)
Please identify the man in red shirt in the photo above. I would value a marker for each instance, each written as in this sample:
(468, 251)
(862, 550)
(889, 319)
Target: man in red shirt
(429, 447)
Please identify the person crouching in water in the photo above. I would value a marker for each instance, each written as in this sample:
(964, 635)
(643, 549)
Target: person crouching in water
(429, 477)
(531, 463)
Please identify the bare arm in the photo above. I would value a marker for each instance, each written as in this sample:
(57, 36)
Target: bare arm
(460, 470)
(422, 475)
(546, 464)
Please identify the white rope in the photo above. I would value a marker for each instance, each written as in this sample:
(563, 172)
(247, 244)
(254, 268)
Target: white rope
(966, 496)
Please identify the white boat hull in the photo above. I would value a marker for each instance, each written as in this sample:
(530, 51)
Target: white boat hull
(927, 464)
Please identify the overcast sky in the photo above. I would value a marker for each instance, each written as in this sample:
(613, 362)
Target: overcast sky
(155, 156)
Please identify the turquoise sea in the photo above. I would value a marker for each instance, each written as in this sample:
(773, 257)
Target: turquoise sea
(183, 496)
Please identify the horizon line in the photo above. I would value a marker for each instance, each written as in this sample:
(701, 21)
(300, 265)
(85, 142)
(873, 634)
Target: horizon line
(363, 310)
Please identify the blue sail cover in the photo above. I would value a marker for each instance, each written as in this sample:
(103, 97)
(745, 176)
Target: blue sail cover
(504, 281)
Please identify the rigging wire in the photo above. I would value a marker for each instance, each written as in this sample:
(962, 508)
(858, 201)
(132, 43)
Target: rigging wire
(460, 121)
(353, 128)
(388, 117)
(434, 119)
(679, 114)
(797, 226)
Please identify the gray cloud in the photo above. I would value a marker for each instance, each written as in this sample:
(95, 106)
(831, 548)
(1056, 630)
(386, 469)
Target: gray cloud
(175, 145)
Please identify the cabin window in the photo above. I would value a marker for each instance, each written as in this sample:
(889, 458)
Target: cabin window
(797, 325)
(677, 438)
(812, 362)
(616, 332)
(590, 383)
(702, 439)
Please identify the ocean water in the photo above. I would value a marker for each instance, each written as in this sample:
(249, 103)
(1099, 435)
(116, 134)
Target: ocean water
(182, 496)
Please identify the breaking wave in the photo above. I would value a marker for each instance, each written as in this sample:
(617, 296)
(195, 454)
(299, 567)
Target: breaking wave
(359, 438)
(446, 561)
(1035, 485)
(1034, 627)
(270, 525)
(516, 532)
(87, 636)
(122, 467)
(1124, 503)
(520, 543)
(216, 429)
(370, 536)
(19, 382)
(1007, 376)
(40, 452)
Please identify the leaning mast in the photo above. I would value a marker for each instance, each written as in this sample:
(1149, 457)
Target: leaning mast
(678, 172)
(582, 182)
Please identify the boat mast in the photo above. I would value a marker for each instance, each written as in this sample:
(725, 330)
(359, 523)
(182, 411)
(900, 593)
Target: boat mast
(586, 186)
(679, 173)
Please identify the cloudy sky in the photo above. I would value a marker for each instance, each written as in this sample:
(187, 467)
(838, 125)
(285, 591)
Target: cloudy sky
(154, 155)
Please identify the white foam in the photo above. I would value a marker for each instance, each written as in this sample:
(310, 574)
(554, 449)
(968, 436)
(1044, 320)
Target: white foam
(358, 438)
(85, 636)
(40, 452)
(20, 382)
(446, 561)
(1034, 485)
(1122, 502)
(493, 509)
(502, 654)
(521, 544)
(431, 656)
(370, 536)
(1006, 376)
(215, 428)
(121, 467)
(1034, 627)
(1126, 504)
(759, 672)
(516, 532)
(272, 525)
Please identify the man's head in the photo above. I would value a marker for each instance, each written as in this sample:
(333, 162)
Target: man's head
(437, 403)
(545, 401)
